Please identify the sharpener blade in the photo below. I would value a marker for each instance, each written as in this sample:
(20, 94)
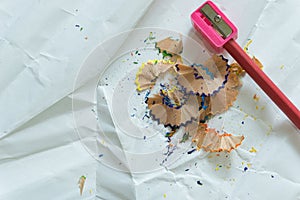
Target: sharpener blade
(216, 20)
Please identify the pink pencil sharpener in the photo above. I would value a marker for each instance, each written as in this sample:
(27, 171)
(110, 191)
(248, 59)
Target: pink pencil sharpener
(213, 25)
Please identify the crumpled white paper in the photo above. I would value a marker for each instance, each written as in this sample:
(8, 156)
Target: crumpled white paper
(41, 156)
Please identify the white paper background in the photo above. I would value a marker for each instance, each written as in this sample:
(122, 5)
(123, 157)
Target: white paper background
(41, 50)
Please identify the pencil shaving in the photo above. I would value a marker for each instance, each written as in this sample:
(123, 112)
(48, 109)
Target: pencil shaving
(171, 48)
(173, 116)
(148, 73)
(81, 183)
(204, 79)
(210, 140)
(222, 100)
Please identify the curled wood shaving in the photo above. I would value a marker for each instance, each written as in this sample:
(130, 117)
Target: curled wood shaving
(81, 182)
(148, 73)
(172, 48)
(222, 100)
(206, 79)
(210, 140)
(173, 116)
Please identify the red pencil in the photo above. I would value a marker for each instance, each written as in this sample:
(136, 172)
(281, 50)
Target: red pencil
(220, 33)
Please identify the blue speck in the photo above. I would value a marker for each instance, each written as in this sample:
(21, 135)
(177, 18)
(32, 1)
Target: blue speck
(191, 151)
(199, 183)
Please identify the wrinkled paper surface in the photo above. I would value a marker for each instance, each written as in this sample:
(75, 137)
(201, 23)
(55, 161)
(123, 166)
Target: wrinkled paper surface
(42, 47)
